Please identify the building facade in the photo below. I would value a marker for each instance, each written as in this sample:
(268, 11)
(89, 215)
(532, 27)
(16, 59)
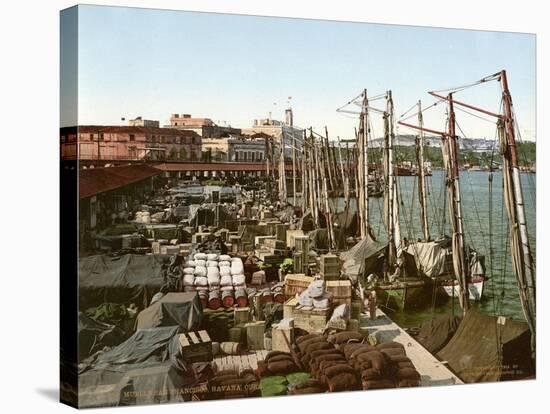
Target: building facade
(140, 122)
(205, 127)
(129, 143)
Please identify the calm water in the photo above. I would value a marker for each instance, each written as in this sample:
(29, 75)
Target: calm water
(500, 293)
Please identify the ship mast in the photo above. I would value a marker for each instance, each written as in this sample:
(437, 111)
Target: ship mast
(422, 194)
(453, 185)
(363, 168)
(519, 240)
(391, 202)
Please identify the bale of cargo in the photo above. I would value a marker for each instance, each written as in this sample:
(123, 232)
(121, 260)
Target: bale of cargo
(213, 281)
(199, 256)
(227, 298)
(214, 300)
(226, 281)
(225, 271)
(311, 386)
(188, 279)
(200, 271)
(190, 263)
(201, 281)
(341, 338)
(238, 280)
(343, 382)
(224, 258)
(200, 263)
(188, 270)
(212, 256)
(237, 267)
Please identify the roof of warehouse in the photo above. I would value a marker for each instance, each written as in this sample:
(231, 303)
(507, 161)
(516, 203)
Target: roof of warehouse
(94, 181)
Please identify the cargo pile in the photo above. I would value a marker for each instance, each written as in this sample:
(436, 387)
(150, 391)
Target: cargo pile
(382, 366)
(218, 279)
(326, 363)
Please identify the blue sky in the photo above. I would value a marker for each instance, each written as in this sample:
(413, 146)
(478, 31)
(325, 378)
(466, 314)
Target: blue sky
(234, 68)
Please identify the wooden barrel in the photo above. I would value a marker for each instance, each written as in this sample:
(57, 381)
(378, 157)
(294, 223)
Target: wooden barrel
(214, 301)
(203, 296)
(278, 296)
(231, 348)
(267, 296)
(241, 298)
(227, 298)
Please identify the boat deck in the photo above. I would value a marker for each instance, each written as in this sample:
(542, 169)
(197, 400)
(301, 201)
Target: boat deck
(432, 371)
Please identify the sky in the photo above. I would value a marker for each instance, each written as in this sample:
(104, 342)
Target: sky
(234, 69)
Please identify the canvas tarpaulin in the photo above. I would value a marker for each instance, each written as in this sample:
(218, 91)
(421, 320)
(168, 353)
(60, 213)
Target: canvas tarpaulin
(436, 333)
(94, 335)
(489, 348)
(181, 309)
(430, 256)
(362, 258)
(124, 279)
(147, 368)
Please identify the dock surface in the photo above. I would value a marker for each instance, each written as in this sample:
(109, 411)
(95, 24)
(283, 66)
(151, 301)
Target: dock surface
(432, 371)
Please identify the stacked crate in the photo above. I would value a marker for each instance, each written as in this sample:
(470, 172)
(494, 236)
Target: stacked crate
(329, 266)
(340, 291)
(296, 284)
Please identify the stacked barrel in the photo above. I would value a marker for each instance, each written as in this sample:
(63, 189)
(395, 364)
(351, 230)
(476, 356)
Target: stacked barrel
(218, 279)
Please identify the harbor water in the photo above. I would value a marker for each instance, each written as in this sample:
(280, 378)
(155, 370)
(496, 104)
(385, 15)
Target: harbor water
(486, 230)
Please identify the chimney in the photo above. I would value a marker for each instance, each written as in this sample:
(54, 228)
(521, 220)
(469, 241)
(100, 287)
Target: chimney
(289, 119)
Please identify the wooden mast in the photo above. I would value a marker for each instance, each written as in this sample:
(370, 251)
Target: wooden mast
(421, 175)
(363, 168)
(459, 252)
(519, 239)
(293, 169)
(391, 201)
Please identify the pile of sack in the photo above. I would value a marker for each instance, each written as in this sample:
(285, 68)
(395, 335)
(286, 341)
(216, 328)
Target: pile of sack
(382, 366)
(214, 276)
(315, 295)
(277, 363)
(233, 384)
(327, 364)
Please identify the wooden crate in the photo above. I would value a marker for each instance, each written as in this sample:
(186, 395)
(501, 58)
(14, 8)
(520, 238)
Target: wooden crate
(196, 346)
(341, 291)
(311, 319)
(329, 266)
(296, 284)
(307, 318)
(278, 335)
(288, 308)
(241, 315)
(255, 335)
(291, 235)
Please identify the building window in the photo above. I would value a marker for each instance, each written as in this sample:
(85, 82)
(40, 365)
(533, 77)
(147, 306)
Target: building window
(132, 137)
(175, 123)
(91, 137)
(101, 137)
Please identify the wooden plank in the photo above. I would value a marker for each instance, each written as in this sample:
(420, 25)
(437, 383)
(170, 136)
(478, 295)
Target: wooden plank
(193, 337)
(183, 340)
(204, 336)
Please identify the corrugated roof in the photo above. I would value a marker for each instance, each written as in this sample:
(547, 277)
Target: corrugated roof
(94, 181)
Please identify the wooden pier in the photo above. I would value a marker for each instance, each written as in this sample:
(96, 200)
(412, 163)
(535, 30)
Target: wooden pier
(432, 371)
